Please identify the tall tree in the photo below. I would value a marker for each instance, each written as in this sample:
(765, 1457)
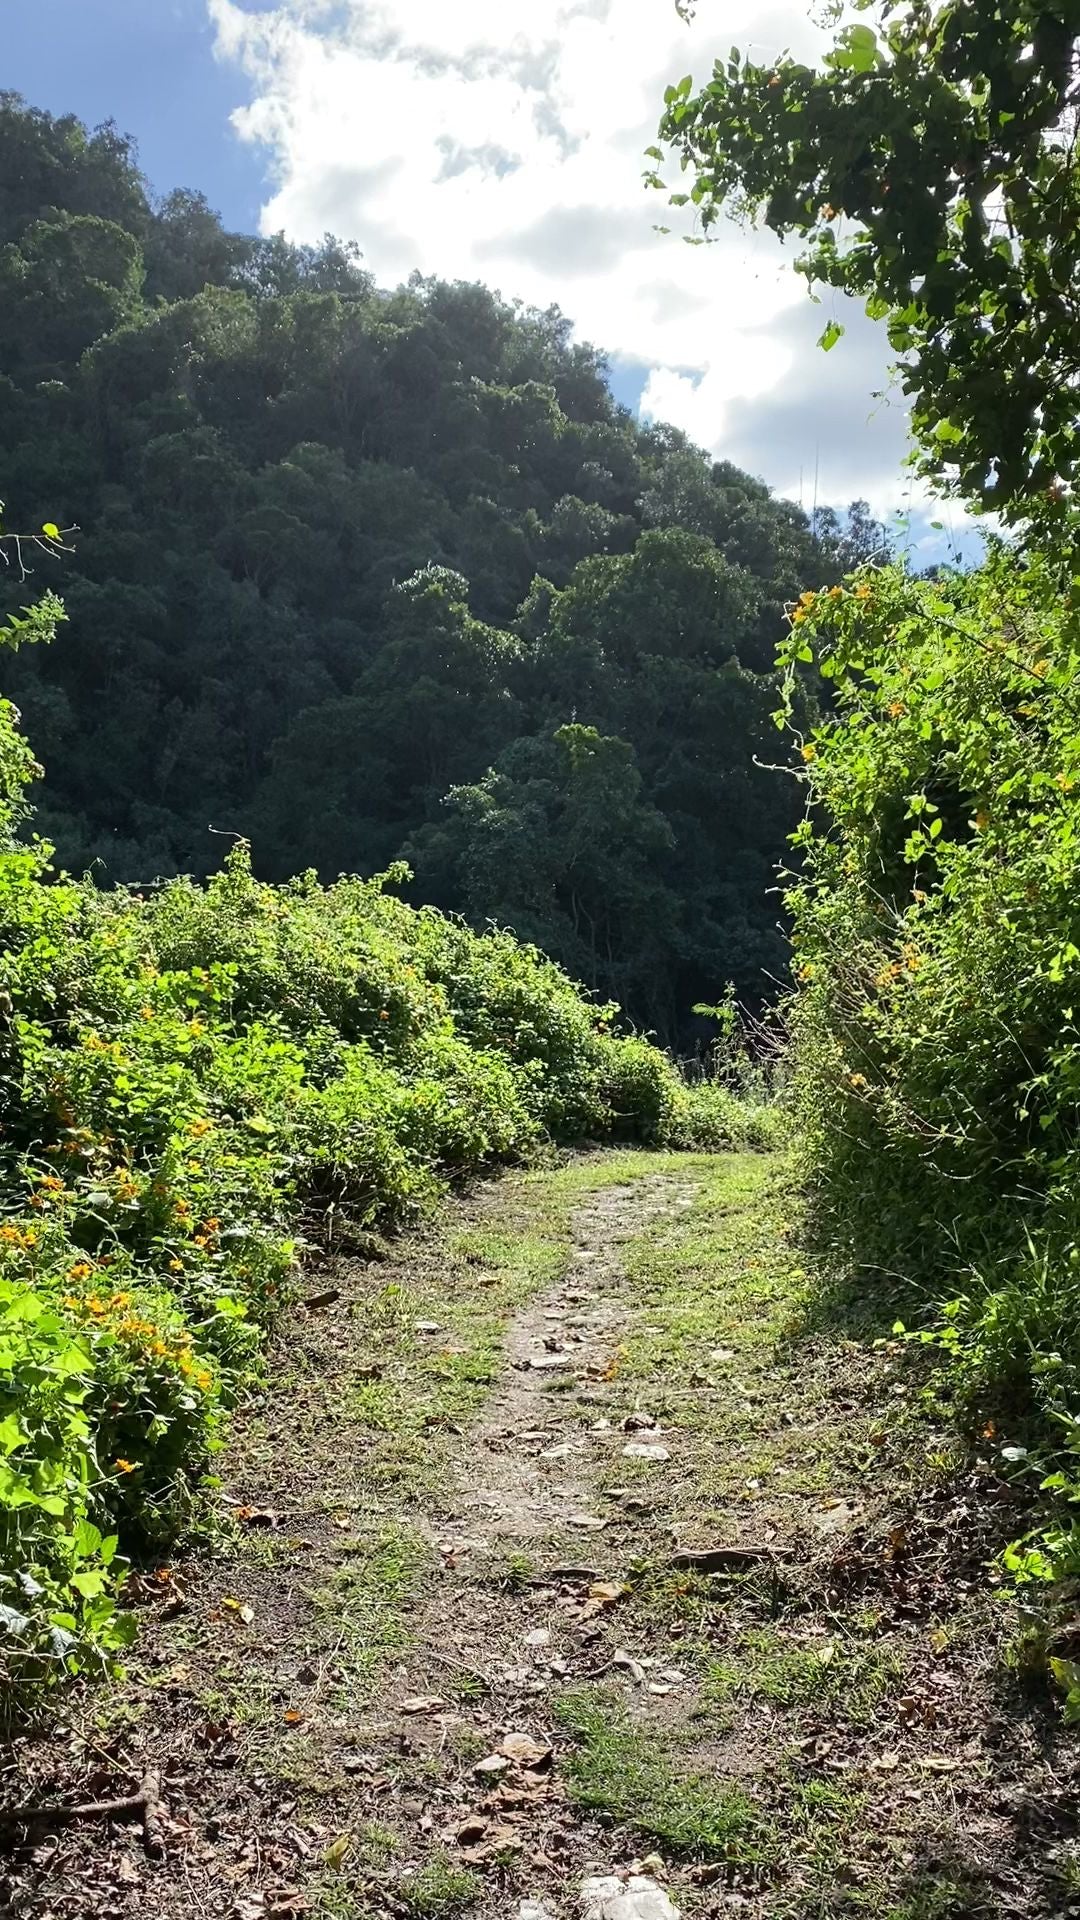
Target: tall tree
(929, 163)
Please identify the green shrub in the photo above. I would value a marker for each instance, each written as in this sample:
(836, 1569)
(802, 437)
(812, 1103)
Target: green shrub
(937, 939)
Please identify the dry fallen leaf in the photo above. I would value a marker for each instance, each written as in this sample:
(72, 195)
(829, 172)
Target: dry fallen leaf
(494, 1763)
(607, 1592)
(471, 1829)
(259, 1516)
(240, 1607)
(523, 1750)
(645, 1450)
(337, 1850)
(293, 1717)
(423, 1703)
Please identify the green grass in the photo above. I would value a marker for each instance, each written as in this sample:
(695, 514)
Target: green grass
(438, 1889)
(370, 1597)
(632, 1776)
(838, 1676)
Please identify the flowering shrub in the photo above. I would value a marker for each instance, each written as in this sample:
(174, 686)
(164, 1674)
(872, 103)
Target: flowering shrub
(184, 1077)
(937, 950)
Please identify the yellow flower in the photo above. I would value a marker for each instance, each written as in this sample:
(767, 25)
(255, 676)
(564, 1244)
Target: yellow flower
(203, 1379)
(146, 1013)
(124, 1466)
(1064, 781)
(836, 593)
(982, 818)
(80, 1271)
(176, 1266)
(863, 592)
(13, 1235)
(198, 1127)
(807, 599)
(809, 752)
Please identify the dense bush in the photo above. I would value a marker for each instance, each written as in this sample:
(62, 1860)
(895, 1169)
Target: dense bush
(937, 1029)
(186, 1075)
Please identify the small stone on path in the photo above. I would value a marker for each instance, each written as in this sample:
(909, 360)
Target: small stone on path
(607, 1897)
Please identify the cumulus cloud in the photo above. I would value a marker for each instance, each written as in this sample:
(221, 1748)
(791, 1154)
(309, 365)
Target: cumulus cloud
(502, 140)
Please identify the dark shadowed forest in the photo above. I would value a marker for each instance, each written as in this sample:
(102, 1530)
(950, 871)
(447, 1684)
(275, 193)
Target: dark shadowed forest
(366, 574)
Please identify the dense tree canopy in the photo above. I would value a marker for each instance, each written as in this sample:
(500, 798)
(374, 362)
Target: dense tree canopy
(365, 570)
(930, 165)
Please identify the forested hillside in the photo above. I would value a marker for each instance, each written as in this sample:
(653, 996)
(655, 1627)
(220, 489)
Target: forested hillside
(365, 573)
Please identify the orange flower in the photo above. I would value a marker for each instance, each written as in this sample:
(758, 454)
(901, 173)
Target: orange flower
(124, 1466)
(80, 1271)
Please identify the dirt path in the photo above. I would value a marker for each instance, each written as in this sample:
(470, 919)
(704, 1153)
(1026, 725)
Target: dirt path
(562, 1541)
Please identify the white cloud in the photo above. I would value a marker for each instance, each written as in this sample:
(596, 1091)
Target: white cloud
(502, 140)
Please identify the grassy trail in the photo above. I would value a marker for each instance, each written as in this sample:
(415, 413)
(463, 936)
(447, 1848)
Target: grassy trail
(570, 1534)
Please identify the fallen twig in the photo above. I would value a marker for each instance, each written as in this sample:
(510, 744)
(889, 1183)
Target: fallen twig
(566, 1573)
(721, 1559)
(147, 1802)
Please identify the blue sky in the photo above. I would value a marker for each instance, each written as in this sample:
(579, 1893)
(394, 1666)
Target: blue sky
(498, 140)
(149, 65)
